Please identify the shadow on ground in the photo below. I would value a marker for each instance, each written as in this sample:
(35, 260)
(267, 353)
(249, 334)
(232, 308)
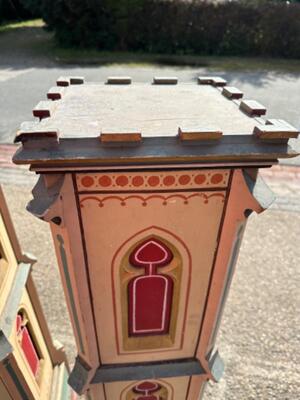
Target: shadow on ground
(32, 45)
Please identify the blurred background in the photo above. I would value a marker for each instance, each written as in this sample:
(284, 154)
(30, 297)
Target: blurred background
(255, 45)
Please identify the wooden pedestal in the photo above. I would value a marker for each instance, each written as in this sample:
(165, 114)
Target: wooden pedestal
(147, 189)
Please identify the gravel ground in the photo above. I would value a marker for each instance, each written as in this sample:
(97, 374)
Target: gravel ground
(259, 338)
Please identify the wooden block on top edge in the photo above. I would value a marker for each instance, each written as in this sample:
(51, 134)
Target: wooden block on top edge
(253, 108)
(25, 133)
(232, 93)
(279, 129)
(165, 80)
(55, 93)
(63, 81)
(190, 135)
(119, 80)
(220, 82)
(44, 109)
(212, 80)
(205, 80)
(76, 80)
(120, 137)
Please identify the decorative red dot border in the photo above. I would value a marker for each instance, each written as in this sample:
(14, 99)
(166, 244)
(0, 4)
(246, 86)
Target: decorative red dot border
(153, 181)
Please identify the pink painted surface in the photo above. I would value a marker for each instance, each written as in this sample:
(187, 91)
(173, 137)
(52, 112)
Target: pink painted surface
(126, 215)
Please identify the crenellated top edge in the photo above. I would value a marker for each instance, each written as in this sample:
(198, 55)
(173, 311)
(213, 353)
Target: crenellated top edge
(30, 130)
(210, 113)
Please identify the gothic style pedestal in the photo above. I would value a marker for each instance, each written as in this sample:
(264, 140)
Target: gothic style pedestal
(147, 189)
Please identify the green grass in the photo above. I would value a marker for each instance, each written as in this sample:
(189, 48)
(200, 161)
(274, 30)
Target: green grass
(31, 38)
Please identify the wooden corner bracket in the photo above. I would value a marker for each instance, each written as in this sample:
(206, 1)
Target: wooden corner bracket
(27, 135)
(276, 129)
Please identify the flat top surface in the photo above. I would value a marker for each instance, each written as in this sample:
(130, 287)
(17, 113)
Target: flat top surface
(154, 110)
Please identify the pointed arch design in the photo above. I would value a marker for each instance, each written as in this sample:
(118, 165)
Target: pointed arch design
(151, 278)
(148, 390)
(150, 295)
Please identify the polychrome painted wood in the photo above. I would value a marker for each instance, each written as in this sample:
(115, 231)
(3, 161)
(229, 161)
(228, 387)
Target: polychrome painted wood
(28, 358)
(136, 200)
(147, 189)
(4, 394)
(150, 214)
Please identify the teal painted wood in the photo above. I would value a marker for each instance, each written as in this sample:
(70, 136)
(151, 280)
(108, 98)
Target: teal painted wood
(148, 370)
(230, 273)
(131, 372)
(65, 392)
(79, 376)
(260, 191)
(216, 366)
(5, 346)
(69, 288)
